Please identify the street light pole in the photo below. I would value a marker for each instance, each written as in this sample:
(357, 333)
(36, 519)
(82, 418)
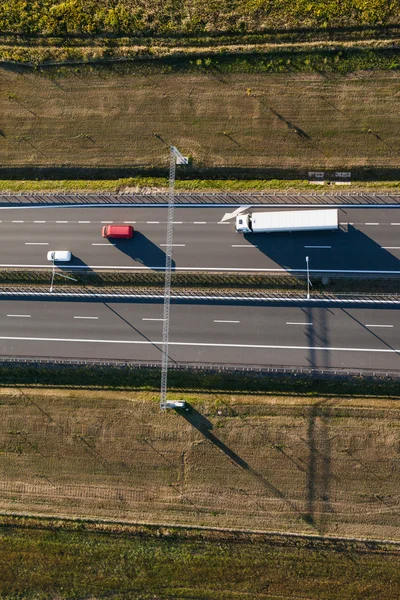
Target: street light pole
(308, 278)
(52, 274)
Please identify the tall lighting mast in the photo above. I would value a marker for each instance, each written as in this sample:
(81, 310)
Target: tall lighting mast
(175, 158)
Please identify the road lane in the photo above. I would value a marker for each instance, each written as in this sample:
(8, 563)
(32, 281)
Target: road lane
(222, 334)
(200, 240)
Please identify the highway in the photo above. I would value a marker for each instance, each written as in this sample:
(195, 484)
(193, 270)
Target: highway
(235, 334)
(368, 241)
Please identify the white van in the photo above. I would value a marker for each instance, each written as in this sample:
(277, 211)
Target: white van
(59, 255)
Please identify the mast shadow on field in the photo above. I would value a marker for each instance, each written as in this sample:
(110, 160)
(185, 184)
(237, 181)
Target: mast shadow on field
(204, 427)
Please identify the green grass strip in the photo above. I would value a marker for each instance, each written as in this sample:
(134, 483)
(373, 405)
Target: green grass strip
(60, 563)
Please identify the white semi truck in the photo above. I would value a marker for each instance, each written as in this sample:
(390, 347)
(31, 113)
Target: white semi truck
(288, 220)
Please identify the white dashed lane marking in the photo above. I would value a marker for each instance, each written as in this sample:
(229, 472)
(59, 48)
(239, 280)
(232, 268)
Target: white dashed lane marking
(220, 321)
(86, 317)
(150, 319)
(378, 325)
(36, 243)
(22, 316)
(294, 323)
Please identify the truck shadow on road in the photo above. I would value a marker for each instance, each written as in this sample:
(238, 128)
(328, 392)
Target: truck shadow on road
(143, 251)
(345, 249)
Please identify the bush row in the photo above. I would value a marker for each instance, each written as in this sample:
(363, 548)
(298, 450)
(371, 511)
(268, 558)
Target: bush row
(251, 59)
(55, 17)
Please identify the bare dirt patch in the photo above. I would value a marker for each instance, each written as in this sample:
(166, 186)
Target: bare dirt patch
(315, 465)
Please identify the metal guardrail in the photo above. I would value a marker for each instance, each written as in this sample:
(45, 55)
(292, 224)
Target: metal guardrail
(198, 295)
(270, 370)
(223, 197)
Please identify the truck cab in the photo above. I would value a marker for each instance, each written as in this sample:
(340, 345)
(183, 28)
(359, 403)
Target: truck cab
(243, 224)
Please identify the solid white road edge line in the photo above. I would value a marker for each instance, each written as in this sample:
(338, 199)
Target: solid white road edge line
(201, 344)
(228, 269)
(194, 205)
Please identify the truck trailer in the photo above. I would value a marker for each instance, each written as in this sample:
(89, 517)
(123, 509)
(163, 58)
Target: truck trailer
(288, 220)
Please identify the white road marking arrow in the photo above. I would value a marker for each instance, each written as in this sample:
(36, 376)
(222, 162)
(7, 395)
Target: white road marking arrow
(232, 215)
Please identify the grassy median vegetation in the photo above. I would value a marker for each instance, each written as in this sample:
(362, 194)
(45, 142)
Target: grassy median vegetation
(146, 563)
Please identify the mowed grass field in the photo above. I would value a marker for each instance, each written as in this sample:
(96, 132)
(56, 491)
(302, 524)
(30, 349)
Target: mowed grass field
(42, 560)
(252, 121)
(316, 465)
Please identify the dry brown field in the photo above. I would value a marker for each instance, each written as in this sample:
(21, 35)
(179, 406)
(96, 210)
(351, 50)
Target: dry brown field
(287, 120)
(322, 465)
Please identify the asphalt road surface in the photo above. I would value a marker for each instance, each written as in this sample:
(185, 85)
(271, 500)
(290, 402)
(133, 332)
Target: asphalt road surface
(232, 334)
(368, 240)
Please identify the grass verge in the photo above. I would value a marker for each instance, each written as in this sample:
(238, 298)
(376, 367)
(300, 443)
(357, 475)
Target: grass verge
(40, 561)
(127, 377)
(160, 184)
